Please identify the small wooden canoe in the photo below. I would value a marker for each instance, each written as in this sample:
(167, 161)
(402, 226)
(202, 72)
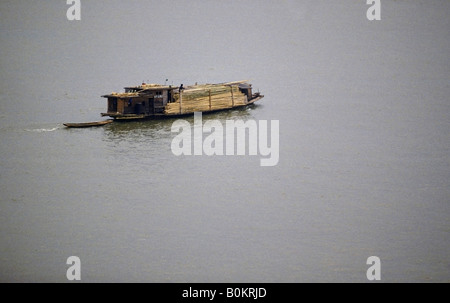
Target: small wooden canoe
(87, 124)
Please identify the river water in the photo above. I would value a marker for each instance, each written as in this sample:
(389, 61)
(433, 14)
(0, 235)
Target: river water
(364, 143)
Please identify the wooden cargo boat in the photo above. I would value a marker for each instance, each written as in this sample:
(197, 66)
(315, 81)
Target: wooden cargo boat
(154, 100)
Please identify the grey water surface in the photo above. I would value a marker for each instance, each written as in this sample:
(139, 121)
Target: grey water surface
(364, 170)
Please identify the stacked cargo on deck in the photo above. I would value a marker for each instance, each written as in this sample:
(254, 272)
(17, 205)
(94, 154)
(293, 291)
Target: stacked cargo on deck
(207, 97)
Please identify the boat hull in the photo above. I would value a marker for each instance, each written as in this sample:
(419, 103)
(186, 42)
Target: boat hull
(87, 124)
(125, 117)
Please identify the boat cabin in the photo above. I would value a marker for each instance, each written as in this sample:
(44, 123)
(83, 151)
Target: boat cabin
(246, 89)
(143, 100)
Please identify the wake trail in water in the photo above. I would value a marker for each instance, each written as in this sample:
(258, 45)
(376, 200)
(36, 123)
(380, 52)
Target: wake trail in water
(44, 129)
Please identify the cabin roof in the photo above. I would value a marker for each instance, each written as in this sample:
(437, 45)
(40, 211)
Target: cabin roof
(121, 95)
(245, 85)
(137, 91)
(152, 87)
